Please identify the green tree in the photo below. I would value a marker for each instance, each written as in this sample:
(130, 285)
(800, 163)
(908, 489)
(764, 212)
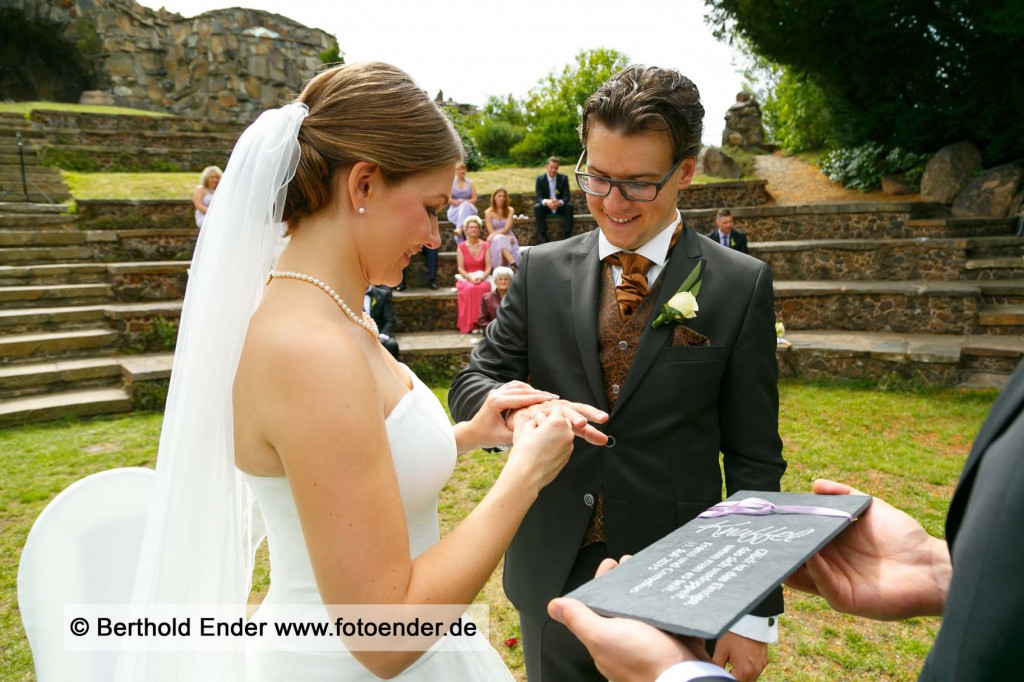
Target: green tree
(462, 125)
(554, 105)
(914, 73)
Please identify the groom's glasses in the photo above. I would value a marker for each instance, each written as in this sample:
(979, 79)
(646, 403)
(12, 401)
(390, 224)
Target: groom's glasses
(632, 190)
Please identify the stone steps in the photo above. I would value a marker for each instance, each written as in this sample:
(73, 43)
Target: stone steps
(11, 207)
(919, 307)
(28, 348)
(995, 267)
(48, 294)
(64, 405)
(892, 259)
(935, 360)
(46, 254)
(10, 157)
(48, 237)
(37, 320)
(59, 273)
(19, 381)
(27, 221)
(1002, 316)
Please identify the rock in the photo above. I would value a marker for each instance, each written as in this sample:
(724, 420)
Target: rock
(716, 164)
(743, 125)
(1017, 205)
(949, 171)
(990, 194)
(96, 98)
(894, 185)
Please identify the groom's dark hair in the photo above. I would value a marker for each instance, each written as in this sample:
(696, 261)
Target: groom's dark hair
(640, 99)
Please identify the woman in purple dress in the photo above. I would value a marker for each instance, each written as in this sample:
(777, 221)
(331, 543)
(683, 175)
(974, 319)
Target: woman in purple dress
(463, 201)
(502, 241)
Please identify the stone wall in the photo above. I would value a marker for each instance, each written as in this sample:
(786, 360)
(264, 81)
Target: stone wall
(224, 65)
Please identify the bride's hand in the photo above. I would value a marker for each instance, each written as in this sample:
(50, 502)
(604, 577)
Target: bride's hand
(488, 427)
(541, 445)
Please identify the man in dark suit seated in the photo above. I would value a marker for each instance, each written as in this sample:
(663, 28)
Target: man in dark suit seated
(725, 235)
(377, 303)
(887, 567)
(552, 191)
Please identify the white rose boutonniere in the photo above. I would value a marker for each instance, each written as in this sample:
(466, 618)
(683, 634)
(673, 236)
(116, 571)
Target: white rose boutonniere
(682, 305)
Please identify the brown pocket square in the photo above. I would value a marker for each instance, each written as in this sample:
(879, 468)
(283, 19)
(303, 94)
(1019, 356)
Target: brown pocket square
(684, 336)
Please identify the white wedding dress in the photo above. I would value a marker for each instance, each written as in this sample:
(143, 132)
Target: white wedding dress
(423, 449)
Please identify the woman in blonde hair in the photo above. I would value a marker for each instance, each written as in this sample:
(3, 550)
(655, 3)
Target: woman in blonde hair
(343, 448)
(203, 193)
(501, 239)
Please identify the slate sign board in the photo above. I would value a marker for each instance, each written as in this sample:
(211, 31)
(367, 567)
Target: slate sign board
(703, 577)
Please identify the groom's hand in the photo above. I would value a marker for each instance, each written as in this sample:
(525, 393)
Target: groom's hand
(489, 427)
(579, 415)
(747, 657)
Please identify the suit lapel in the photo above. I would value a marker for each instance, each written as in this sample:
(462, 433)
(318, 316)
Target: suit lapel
(684, 258)
(586, 280)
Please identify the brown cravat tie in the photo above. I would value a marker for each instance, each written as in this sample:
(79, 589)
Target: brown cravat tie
(633, 287)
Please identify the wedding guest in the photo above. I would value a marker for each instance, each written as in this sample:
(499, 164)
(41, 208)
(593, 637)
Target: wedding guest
(463, 201)
(474, 261)
(203, 193)
(725, 235)
(490, 302)
(377, 304)
(886, 567)
(645, 462)
(500, 220)
(284, 395)
(552, 192)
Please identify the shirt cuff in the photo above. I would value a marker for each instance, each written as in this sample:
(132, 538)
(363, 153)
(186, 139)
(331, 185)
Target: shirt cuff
(693, 670)
(757, 628)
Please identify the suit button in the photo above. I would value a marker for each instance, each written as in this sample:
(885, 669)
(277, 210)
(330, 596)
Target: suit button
(623, 345)
(611, 442)
(588, 500)
(615, 389)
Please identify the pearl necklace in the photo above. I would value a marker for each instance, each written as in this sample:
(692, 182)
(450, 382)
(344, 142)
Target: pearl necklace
(366, 322)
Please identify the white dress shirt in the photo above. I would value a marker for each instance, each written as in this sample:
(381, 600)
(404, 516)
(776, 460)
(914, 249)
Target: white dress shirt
(656, 250)
(692, 670)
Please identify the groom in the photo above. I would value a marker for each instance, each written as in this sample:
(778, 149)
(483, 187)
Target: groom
(663, 402)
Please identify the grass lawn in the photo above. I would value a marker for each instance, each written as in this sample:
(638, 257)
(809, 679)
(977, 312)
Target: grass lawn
(28, 107)
(907, 447)
(180, 185)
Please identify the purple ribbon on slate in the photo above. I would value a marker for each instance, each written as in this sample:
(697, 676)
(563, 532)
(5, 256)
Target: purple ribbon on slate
(755, 506)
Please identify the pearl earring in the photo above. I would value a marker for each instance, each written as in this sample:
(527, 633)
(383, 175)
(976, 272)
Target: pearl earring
(362, 210)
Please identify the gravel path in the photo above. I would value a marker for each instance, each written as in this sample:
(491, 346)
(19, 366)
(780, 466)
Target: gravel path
(791, 181)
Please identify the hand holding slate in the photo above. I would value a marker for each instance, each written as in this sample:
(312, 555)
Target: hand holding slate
(704, 576)
(885, 566)
(624, 650)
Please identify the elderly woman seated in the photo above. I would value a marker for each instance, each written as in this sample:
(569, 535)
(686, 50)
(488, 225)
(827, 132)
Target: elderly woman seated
(490, 302)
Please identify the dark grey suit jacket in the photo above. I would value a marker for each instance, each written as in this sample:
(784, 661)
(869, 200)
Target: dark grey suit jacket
(678, 407)
(982, 634)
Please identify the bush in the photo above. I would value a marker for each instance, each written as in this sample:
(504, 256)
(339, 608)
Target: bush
(461, 123)
(863, 167)
(797, 113)
(495, 138)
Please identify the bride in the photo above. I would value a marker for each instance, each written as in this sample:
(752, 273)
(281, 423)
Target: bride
(343, 448)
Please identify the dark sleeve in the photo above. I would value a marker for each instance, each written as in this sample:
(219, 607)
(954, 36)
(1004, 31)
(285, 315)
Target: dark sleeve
(540, 189)
(500, 356)
(387, 313)
(742, 242)
(982, 633)
(749, 408)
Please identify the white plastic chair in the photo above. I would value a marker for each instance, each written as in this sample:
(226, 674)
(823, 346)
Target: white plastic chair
(82, 549)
